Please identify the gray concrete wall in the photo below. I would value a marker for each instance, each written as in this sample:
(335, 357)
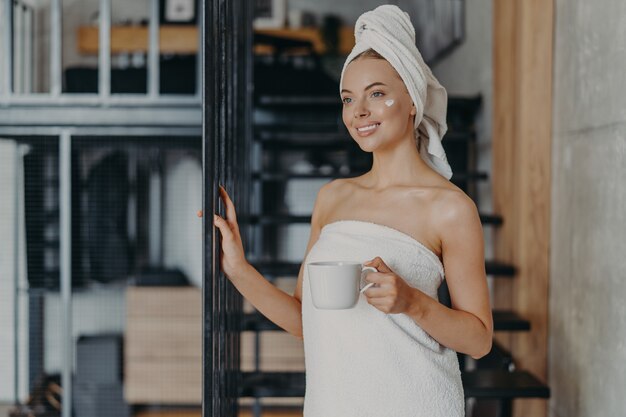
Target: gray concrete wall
(587, 328)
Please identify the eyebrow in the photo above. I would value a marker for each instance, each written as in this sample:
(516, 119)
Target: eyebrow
(366, 88)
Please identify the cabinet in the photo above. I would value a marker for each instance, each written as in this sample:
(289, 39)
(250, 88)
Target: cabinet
(163, 345)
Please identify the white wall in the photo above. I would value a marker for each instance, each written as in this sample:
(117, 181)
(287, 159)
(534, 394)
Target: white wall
(96, 311)
(7, 279)
(7, 271)
(467, 72)
(587, 339)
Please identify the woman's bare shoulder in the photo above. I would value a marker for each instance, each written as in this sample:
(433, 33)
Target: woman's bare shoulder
(453, 206)
(328, 196)
(339, 188)
(332, 196)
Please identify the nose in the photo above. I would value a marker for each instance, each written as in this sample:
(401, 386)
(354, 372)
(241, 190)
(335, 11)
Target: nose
(360, 109)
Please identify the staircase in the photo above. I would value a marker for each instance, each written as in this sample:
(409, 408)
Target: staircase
(311, 123)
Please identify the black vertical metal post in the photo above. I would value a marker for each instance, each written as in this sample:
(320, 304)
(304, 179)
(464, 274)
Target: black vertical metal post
(226, 66)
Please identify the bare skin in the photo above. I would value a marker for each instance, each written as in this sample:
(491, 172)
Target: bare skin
(400, 191)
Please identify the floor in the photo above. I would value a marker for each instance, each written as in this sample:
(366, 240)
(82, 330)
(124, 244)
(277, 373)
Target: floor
(281, 413)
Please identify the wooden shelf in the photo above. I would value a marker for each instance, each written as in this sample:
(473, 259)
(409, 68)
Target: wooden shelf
(346, 38)
(173, 39)
(183, 39)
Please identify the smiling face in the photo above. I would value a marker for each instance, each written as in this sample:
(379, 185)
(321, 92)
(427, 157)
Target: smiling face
(377, 108)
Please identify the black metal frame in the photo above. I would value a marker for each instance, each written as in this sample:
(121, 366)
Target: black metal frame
(226, 125)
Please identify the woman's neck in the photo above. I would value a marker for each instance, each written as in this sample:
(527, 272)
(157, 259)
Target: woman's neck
(401, 165)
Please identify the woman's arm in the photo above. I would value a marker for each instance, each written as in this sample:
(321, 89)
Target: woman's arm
(278, 306)
(467, 327)
(275, 304)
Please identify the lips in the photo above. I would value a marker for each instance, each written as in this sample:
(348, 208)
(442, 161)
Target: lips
(367, 129)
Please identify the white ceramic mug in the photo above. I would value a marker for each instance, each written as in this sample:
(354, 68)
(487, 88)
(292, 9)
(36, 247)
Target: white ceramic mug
(336, 284)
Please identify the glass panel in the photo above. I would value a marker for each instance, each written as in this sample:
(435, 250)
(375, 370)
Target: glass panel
(30, 374)
(136, 244)
(179, 46)
(80, 45)
(140, 265)
(129, 46)
(30, 46)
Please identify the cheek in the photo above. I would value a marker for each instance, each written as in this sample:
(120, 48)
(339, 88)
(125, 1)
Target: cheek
(345, 115)
(388, 108)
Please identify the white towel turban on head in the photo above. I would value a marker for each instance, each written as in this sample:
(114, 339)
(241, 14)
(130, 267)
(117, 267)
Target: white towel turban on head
(388, 31)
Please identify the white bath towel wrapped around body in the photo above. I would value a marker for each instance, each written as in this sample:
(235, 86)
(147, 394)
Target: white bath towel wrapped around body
(362, 362)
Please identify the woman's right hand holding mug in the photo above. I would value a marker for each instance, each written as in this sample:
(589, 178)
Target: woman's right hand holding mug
(232, 257)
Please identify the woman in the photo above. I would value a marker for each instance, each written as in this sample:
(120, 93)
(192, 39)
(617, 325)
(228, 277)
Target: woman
(394, 353)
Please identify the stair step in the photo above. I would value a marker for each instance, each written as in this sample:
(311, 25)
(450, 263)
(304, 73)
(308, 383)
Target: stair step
(509, 321)
(462, 111)
(286, 219)
(281, 268)
(272, 384)
(502, 320)
(464, 104)
(497, 358)
(483, 383)
(491, 219)
(499, 269)
(496, 383)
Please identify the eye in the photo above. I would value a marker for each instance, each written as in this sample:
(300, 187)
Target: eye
(378, 92)
(344, 100)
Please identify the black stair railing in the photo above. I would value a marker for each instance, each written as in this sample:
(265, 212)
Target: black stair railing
(494, 378)
(226, 114)
(284, 124)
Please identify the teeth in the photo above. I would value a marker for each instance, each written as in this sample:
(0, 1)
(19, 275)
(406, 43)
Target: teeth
(366, 128)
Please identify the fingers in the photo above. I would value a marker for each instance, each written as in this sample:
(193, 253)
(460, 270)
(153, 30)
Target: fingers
(224, 227)
(379, 264)
(376, 277)
(376, 292)
(385, 284)
(383, 305)
(379, 289)
(231, 215)
(382, 287)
